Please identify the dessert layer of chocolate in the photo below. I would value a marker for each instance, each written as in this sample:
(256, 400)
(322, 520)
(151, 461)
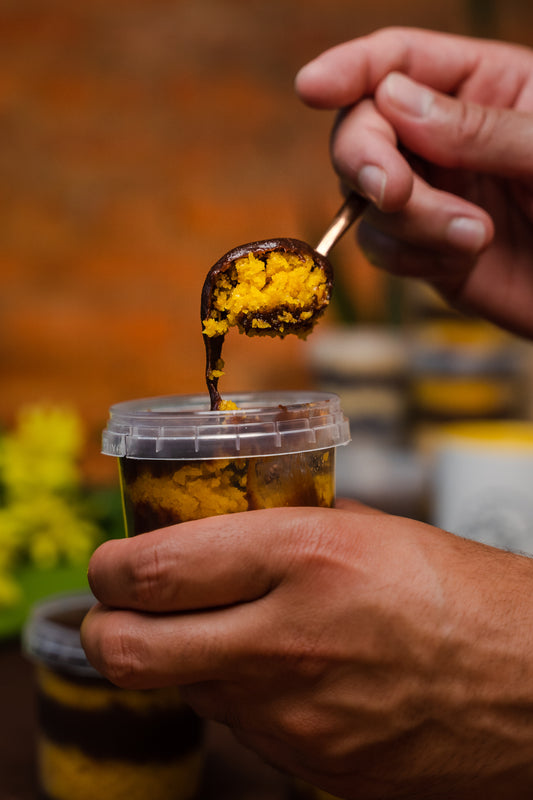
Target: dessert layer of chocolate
(121, 733)
(277, 326)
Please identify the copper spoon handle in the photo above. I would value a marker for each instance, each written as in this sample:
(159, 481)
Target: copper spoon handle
(351, 209)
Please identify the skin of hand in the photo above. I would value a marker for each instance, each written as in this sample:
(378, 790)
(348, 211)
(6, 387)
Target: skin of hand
(436, 130)
(373, 656)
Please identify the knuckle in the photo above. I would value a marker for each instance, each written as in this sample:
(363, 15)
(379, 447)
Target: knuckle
(147, 576)
(386, 37)
(310, 732)
(304, 658)
(297, 727)
(119, 658)
(307, 663)
(474, 127)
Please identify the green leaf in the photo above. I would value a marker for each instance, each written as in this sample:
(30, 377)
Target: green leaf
(35, 585)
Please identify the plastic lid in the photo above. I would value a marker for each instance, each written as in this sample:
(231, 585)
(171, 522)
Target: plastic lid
(183, 427)
(51, 635)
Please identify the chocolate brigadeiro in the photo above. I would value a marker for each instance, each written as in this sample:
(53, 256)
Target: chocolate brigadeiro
(284, 316)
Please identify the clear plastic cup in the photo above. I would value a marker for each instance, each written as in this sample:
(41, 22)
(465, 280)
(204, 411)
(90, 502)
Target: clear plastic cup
(94, 739)
(181, 461)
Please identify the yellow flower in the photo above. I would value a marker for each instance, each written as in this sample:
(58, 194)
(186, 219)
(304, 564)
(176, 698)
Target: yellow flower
(42, 452)
(52, 429)
(42, 520)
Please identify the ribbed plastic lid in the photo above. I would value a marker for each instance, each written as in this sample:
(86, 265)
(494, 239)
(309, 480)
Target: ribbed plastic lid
(184, 427)
(51, 635)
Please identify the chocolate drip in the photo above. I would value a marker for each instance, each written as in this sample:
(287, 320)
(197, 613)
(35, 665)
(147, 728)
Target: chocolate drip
(213, 352)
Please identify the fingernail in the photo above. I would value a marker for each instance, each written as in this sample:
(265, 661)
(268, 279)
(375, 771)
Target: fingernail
(408, 96)
(467, 234)
(372, 181)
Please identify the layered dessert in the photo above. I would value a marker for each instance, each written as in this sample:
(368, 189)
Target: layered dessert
(161, 492)
(98, 741)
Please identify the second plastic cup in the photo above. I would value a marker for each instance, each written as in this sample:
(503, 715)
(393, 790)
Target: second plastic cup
(181, 461)
(95, 740)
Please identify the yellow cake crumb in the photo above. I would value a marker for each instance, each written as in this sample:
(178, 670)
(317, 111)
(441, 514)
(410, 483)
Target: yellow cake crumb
(227, 405)
(217, 371)
(68, 773)
(100, 697)
(214, 327)
(283, 287)
(200, 489)
(260, 323)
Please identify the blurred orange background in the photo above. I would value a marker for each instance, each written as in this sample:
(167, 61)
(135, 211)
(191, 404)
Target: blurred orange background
(141, 140)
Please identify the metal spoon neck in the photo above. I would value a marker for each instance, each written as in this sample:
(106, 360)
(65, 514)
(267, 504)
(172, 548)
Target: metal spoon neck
(351, 209)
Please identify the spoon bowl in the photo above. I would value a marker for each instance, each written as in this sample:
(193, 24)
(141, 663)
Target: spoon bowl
(271, 287)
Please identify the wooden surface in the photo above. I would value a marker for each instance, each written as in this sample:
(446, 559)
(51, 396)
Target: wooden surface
(231, 771)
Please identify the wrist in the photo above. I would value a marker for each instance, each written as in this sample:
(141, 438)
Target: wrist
(484, 689)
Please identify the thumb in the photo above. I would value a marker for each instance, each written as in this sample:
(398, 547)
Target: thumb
(457, 134)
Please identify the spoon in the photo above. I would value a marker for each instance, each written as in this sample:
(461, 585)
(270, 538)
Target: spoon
(352, 208)
(283, 317)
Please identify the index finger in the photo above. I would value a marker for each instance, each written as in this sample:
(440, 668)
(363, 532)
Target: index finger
(211, 562)
(344, 74)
